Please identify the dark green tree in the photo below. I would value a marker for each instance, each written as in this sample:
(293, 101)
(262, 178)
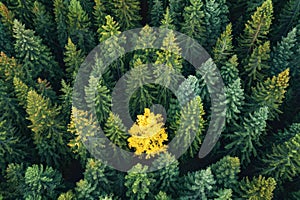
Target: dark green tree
(229, 70)
(162, 196)
(15, 181)
(60, 13)
(223, 194)
(99, 13)
(167, 21)
(177, 10)
(157, 11)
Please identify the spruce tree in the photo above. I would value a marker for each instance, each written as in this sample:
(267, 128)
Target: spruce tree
(257, 188)
(167, 21)
(247, 138)
(15, 180)
(79, 27)
(283, 162)
(6, 41)
(139, 183)
(176, 11)
(223, 49)
(271, 93)
(7, 17)
(99, 13)
(60, 13)
(223, 194)
(42, 182)
(162, 196)
(156, 13)
(229, 70)
(126, 13)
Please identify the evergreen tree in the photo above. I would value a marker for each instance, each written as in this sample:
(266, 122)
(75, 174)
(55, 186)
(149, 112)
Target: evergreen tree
(198, 185)
(260, 188)
(47, 127)
(157, 11)
(42, 182)
(286, 134)
(73, 59)
(252, 6)
(15, 181)
(139, 183)
(36, 58)
(7, 17)
(162, 196)
(176, 11)
(66, 196)
(167, 21)
(6, 41)
(126, 13)
(99, 13)
(223, 49)
(256, 29)
(193, 25)
(229, 70)
(283, 162)
(60, 13)
(247, 138)
(168, 173)
(271, 93)
(223, 194)
(79, 27)
(226, 172)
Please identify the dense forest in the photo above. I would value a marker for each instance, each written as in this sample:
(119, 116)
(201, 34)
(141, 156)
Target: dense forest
(255, 47)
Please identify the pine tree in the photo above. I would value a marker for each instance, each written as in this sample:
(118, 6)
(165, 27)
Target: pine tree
(198, 185)
(283, 53)
(66, 196)
(157, 11)
(167, 21)
(257, 64)
(47, 127)
(168, 173)
(36, 58)
(283, 162)
(226, 172)
(215, 20)
(79, 27)
(9, 68)
(6, 41)
(286, 134)
(229, 70)
(256, 29)
(42, 182)
(223, 49)
(288, 18)
(15, 181)
(139, 183)
(260, 188)
(190, 121)
(193, 25)
(223, 194)
(271, 93)
(99, 13)
(247, 138)
(176, 11)
(126, 13)
(148, 135)
(7, 17)
(162, 196)
(252, 6)
(74, 57)
(60, 13)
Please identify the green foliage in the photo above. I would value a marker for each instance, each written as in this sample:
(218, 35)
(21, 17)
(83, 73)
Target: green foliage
(176, 11)
(41, 182)
(67, 196)
(15, 181)
(288, 133)
(6, 42)
(226, 172)
(162, 196)
(139, 183)
(247, 138)
(99, 13)
(225, 194)
(259, 188)
(167, 21)
(157, 11)
(126, 13)
(229, 71)
(60, 12)
(283, 162)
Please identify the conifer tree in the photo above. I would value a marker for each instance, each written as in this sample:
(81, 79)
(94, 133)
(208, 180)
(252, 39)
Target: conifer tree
(162, 196)
(42, 182)
(271, 93)
(36, 58)
(66, 196)
(198, 185)
(286, 134)
(223, 194)
(48, 129)
(157, 11)
(193, 25)
(256, 29)
(79, 27)
(73, 59)
(15, 180)
(223, 49)
(9, 68)
(126, 13)
(60, 13)
(7, 17)
(168, 173)
(176, 11)
(99, 13)
(258, 188)
(252, 6)
(283, 162)
(226, 172)
(247, 138)
(139, 183)
(167, 21)
(6, 41)
(229, 70)
(215, 20)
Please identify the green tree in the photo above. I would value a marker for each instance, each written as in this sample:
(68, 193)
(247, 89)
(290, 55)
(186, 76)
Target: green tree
(286, 134)
(271, 93)
(283, 162)
(176, 11)
(139, 183)
(162, 196)
(247, 138)
(73, 58)
(229, 70)
(66, 196)
(167, 21)
(42, 182)
(79, 27)
(256, 29)
(198, 185)
(157, 11)
(226, 172)
(127, 13)
(193, 24)
(259, 188)
(48, 129)
(60, 13)
(252, 6)
(223, 194)
(6, 40)
(15, 181)
(99, 13)
(223, 49)
(35, 57)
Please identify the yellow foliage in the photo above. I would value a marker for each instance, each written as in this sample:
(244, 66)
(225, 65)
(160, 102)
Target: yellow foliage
(148, 134)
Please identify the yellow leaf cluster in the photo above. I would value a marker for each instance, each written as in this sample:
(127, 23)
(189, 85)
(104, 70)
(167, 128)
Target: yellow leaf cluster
(148, 134)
